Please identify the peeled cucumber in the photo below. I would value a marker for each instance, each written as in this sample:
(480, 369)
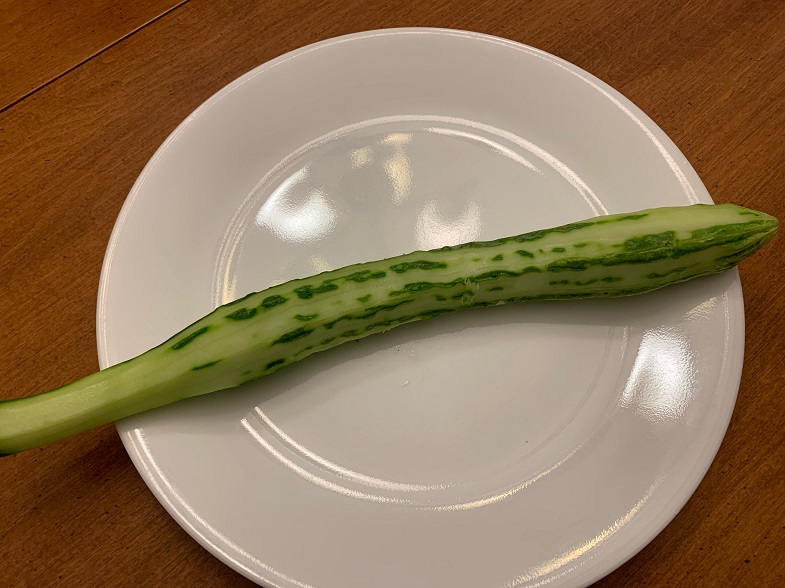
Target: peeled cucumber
(606, 256)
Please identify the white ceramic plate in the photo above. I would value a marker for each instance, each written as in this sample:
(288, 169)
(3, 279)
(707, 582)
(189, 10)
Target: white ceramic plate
(516, 446)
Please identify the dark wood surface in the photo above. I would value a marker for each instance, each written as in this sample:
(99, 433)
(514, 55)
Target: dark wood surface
(80, 118)
(42, 40)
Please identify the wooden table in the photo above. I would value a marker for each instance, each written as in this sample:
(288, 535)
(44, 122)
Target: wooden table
(89, 90)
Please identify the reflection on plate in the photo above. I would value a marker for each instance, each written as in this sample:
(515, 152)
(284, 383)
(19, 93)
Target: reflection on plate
(521, 445)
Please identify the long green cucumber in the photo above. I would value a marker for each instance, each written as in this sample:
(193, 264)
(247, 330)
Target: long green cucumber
(605, 256)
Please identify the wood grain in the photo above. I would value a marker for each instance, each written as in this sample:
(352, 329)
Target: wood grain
(710, 73)
(40, 40)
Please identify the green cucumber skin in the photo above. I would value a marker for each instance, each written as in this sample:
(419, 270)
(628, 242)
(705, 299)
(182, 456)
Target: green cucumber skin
(607, 256)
